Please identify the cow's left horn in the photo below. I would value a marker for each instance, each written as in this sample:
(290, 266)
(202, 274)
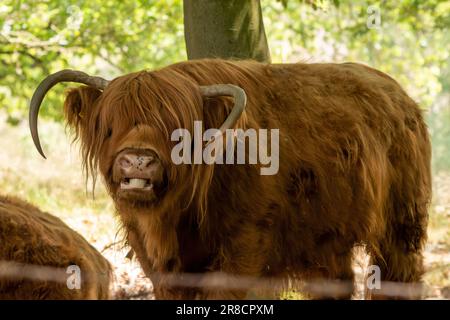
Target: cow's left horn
(240, 100)
(47, 84)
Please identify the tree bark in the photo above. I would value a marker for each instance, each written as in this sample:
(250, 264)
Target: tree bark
(228, 29)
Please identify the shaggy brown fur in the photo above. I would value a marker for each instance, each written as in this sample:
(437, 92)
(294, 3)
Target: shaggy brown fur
(35, 238)
(354, 169)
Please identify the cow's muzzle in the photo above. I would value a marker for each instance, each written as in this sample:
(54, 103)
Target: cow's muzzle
(138, 173)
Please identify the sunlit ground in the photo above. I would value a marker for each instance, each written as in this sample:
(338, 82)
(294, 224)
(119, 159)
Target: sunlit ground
(58, 186)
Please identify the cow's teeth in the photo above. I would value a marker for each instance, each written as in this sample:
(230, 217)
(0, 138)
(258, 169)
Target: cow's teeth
(137, 183)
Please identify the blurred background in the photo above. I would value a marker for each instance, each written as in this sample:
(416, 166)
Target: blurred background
(408, 39)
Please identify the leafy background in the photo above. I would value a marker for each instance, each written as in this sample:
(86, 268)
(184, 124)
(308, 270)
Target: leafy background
(110, 38)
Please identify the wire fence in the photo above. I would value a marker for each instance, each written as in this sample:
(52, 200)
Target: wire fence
(14, 271)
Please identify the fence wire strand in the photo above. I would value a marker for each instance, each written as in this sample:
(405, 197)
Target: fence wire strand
(217, 280)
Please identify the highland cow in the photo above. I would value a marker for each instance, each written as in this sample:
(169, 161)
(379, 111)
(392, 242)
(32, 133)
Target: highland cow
(354, 157)
(40, 255)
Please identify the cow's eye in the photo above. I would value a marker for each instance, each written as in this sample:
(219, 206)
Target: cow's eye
(109, 134)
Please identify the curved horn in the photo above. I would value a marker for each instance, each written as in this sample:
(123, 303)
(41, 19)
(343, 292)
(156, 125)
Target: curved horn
(240, 100)
(46, 85)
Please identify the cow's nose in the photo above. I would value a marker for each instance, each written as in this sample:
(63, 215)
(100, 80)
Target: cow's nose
(136, 165)
(136, 161)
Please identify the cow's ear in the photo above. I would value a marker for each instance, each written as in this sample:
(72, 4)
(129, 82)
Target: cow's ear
(79, 104)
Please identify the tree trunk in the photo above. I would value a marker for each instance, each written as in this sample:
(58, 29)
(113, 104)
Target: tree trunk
(229, 29)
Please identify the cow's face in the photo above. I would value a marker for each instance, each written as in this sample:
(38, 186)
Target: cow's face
(125, 134)
(132, 165)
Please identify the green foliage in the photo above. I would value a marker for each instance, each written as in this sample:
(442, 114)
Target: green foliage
(110, 38)
(408, 43)
(411, 43)
(107, 38)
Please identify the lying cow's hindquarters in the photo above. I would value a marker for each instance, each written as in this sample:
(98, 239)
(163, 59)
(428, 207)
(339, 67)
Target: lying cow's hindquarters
(42, 258)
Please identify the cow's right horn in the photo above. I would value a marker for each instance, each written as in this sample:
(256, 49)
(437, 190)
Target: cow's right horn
(240, 100)
(46, 85)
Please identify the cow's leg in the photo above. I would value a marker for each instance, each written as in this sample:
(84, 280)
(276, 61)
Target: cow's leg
(167, 287)
(164, 283)
(239, 266)
(232, 281)
(398, 253)
(400, 276)
(399, 257)
(333, 279)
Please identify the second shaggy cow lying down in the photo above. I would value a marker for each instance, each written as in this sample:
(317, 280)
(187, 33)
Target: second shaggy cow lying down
(36, 252)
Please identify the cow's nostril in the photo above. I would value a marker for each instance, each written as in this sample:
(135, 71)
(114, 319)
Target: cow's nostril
(135, 162)
(124, 162)
(145, 161)
(150, 160)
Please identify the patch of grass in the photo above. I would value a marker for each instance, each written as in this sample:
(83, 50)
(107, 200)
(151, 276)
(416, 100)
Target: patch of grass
(293, 295)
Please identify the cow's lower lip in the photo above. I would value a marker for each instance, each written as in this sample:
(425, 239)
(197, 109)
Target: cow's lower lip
(137, 195)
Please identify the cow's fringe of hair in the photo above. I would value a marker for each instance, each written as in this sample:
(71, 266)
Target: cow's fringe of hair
(169, 100)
